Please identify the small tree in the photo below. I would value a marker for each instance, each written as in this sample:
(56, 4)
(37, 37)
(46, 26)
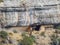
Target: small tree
(42, 34)
(27, 40)
(3, 34)
(59, 41)
(14, 31)
(54, 39)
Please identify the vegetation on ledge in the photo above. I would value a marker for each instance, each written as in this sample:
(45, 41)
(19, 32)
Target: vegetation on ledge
(1, 0)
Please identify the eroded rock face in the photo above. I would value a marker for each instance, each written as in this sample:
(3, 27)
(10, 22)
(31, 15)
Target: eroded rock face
(10, 3)
(30, 2)
(49, 13)
(29, 17)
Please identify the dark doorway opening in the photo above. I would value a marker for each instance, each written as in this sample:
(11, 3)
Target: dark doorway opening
(36, 27)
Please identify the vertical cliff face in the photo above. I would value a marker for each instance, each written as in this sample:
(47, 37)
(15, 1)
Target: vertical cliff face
(30, 2)
(11, 18)
(10, 3)
(36, 11)
(41, 2)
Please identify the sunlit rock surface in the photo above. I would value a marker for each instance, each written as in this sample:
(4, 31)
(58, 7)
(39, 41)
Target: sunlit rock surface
(34, 11)
(30, 2)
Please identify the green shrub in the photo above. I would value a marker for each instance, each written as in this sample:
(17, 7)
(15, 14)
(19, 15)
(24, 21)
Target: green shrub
(27, 40)
(14, 31)
(42, 34)
(54, 39)
(23, 34)
(1, 43)
(33, 38)
(59, 41)
(11, 34)
(1, 0)
(3, 34)
(58, 27)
